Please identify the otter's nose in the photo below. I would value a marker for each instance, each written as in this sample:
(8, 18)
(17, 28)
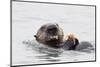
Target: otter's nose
(52, 28)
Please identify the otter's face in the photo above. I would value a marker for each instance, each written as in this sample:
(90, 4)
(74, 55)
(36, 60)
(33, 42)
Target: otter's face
(50, 34)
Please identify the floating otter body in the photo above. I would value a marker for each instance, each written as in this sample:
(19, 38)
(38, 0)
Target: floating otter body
(70, 43)
(51, 35)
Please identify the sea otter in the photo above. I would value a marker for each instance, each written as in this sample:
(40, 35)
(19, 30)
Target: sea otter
(50, 34)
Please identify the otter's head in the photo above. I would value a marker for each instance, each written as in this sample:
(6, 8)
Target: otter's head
(50, 34)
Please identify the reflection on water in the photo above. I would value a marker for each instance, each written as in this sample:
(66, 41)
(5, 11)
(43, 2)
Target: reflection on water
(45, 53)
(50, 54)
(49, 57)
